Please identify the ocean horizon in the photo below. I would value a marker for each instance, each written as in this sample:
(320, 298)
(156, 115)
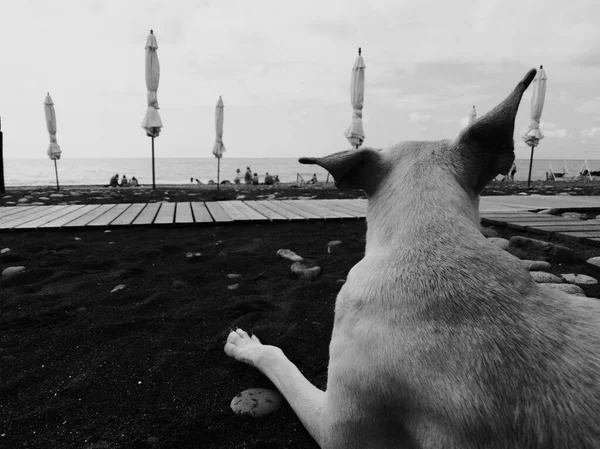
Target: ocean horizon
(97, 171)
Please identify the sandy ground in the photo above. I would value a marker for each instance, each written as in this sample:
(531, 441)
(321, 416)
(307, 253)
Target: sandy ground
(144, 367)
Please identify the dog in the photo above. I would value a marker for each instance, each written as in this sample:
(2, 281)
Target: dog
(441, 339)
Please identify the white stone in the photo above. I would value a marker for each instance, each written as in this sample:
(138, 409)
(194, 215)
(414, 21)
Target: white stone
(499, 242)
(77, 238)
(5, 250)
(256, 402)
(489, 232)
(567, 288)
(522, 193)
(118, 287)
(536, 265)
(233, 286)
(579, 279)
(335, 247)
(301, 271)
(22, 200)
(11, 271)
(56, 195)
(572, 215)
(234, 276)
(594, 261)
(290, 255)
(544, 277)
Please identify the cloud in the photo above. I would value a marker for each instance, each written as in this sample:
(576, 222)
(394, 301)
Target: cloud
(415, 117)
(590, 132)
(590, 107)
(559, 133)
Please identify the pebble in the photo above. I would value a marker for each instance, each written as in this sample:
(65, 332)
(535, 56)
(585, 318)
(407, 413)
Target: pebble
(290, 255)
(542, 277)
(522, 193)
(572, 215)
(594, 261)
(302, 271)
(489, 232)
(77, 238)
(5, 250)
(579, 279)
(56, 195)
(107, 231)
(43, 198)
(22, 200)
(234, 276)
(335, 247)
(240, 197)
(564, 194)
(567, 288)
(118, 287)
(11, 271)
(549, 212)
(536, 265)
(534, 249)
(190, 256)
(341, 281)
(233, 286)
(499, 242)
(256, 402)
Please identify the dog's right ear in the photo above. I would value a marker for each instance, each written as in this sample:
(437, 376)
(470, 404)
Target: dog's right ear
(352, 169)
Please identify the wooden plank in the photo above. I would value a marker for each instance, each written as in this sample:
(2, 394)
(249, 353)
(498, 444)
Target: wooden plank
(147, 215)
(25, 212)
(572, 227)
(49, 217)
(183, 213)
(291, 205)
(276, 207)
(342, 206)
(34, 215)
(201, 213)
(166, 214)
(350, 206)
(248, 211)
(90, 216)
(218, 213)
(233, 212)
(265, 211)
(531, 219)
(107, 217)
(321, 210)
(555, 224)
(7, 211)
(129, 215)
(63, 220)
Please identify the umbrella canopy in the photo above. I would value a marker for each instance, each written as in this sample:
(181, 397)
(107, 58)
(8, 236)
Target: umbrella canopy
(355, 133)
(472, 115)
(219, 147)
(152, 122)
(53, 148)
(534, 135)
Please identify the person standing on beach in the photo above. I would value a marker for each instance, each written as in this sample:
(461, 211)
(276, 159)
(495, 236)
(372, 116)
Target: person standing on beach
(236, 180)
(248, 176)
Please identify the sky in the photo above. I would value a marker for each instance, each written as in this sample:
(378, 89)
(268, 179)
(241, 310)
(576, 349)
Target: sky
(283, 70)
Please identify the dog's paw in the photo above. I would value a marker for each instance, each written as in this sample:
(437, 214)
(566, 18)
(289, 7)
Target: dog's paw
(244, 348)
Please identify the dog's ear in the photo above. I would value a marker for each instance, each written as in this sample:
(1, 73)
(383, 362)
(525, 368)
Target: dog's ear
(487, 144)
(353, 169)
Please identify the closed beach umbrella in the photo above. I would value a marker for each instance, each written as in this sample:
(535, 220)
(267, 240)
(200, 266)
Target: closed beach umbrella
(534, 135)
(152, 122)
(355, 133)
(53, 148)
(472, 115)
(219, 147)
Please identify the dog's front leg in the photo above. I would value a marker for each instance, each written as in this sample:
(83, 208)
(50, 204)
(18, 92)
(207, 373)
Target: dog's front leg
(304, 398)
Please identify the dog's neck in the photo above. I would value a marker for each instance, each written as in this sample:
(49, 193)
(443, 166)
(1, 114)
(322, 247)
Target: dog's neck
(399, 213)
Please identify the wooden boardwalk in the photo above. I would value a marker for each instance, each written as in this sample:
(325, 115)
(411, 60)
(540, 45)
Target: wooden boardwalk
(514, 212)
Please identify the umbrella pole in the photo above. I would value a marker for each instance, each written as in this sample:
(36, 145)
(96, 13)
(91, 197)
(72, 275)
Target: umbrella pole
(56, 172)
(218, 171)
(530, 164)
(153, 181)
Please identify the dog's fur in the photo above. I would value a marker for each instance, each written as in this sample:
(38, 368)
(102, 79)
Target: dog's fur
(440, 339)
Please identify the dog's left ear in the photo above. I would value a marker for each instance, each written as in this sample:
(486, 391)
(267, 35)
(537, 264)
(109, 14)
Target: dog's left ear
(487, 145)
(353, 169)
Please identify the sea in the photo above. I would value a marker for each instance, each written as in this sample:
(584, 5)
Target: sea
(88, 171)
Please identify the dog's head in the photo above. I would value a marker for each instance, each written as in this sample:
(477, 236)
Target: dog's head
(481, 151)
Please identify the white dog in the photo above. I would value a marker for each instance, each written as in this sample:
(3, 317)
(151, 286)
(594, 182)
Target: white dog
(441, 339)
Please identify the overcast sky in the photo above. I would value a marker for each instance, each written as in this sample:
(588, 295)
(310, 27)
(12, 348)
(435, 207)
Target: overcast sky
(283, 69)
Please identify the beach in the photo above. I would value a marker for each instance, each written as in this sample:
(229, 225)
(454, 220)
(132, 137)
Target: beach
(115, 339)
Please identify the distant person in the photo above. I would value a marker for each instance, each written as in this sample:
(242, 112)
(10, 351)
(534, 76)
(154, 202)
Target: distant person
(276, 179)
(236, 180)
(269, 179)
(513, 170)
(255, 179)
(114, 181)
(314, 179)
(248, 176)
(124, 181)
(134, 182)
